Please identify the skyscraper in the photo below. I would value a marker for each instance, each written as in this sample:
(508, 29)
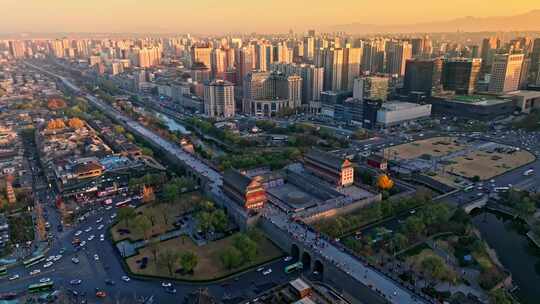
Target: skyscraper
(267, 93)
(219, 99)
(535, 60)
(461, 74)
(352, 58)
(309, 48)
(244, 63)
(312, 78)
(489, 47)
(17, 48)
(422, 76)
(397, 53)
(371, 87)
(505, 73)
(201, 54)
(333, 69)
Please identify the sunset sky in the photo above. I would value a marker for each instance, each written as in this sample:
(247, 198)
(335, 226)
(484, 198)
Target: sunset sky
(218, 16)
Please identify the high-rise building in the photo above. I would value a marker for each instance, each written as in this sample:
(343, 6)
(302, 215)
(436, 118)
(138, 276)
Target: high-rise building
(489, 48)
(267, 93)
(202, 54)
(371, 87)
(261, 57)
(333, 68)
(312, 78)
(535, 60)
(17, 48)
(461, 74)
(397, 54)
(422, 76)
(245, 63)
(374, 56)
(219, 63)
(309, 48)
(505, 73)
(219, 99)
(352, 58)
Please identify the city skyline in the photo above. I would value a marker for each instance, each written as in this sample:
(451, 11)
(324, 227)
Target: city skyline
(208, 17)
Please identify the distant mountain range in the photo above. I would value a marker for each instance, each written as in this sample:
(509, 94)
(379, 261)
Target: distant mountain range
(524, 22)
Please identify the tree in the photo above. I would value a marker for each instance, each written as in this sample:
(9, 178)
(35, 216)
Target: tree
(125, 215)
(499, 296)
(414, 226)
(142, 226)
(247, 246)
(168, 259)
(170, 192)
(399, 241)
(231, 258)
(204, 221)
(153, 246)
(188, 261)
(434, 267)
(220, 221)
(525, 207)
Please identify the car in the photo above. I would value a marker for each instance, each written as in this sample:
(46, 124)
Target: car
(35, 271)
(44, 280)
(50, 258)
(14, 277)
(75, 260)
(108, 208)
(113, 216)
(75, 282)
(99, 220)
(91, 237)
(47, 265)
(96, 257)
(166, 284)
(170, 290)
(101, 294)
(102, 237)
(267, 271)
(82, 244)
(126, 279)
(260, 269)
(287, 258)
(100, 227)
(79, 232)
(62, 250)
(110, 282)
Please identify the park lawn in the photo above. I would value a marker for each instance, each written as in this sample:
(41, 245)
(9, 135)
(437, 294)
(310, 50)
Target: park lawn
(209, 265)
(158, 211)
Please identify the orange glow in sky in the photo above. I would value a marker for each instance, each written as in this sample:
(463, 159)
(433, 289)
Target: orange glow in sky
(217, 16)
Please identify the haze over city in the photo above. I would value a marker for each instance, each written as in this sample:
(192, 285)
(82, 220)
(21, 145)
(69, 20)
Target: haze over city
(216, 17)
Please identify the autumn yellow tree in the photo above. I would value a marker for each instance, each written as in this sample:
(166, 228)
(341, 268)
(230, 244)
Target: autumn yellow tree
(75, 123)
(384, 182)
(54, 124)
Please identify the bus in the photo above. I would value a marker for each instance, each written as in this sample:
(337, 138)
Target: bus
(528, 172)
(501, 189)
(294, 267)
(3, 271)
(33, 261)
(468, 188)
(40, 287)
(123, 202)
